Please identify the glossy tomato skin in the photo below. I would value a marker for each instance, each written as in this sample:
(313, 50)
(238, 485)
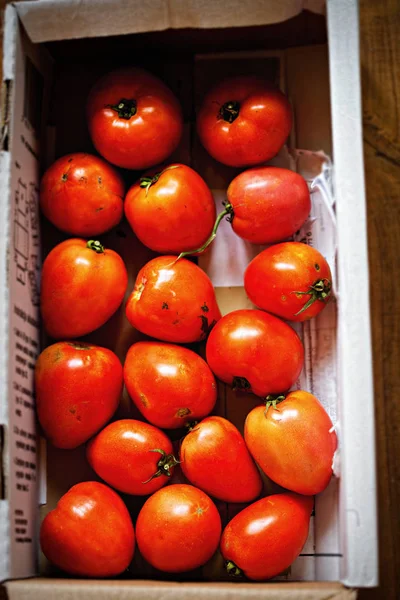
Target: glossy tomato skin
(258, 131)
(122, 454)
(170, 385)
(178, 529)
(175, 213)
(82, 195)
(255, 351)
(214, 458)
(293, 443)
(81, 288)
(276, 275)
(78, 387)
(269, 204)
(173, 300)
(89, 533)
(266, 537)
(140, 140)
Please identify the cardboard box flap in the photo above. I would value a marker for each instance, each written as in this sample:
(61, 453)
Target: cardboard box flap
(358, 518)
(42, 589)
(65, 19)
(27, 82)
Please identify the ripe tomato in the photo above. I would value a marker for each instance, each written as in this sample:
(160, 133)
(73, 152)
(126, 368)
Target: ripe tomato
(170, 385)
(256, 352)
(89, 533)
(244, 121)
(134, 119)
(178, 529)
(268, 204)
(83, 284)
(293, 444)
(78, 387)
(173, 300)
(172, 210)
(82, 195)
(266, 537)
(291, 280)
(214, 457)
(134, 457)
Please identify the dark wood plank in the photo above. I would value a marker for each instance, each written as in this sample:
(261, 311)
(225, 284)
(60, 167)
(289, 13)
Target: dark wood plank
(380, 63)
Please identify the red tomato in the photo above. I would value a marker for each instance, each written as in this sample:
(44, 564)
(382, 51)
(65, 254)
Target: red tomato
(173, 300)
(214, 457)
(178, 529)
(268, 204)
(172, 210)
(83, 284)
(256, 352)
(134, 120)
(266, 537)
(293, 444)
(89, 533)
(291, 280)
(82, 195)
(78, 387)
(244, 121)
(170, 385)
(134, 457)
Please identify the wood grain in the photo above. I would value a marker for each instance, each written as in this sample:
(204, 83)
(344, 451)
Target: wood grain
(380, 63)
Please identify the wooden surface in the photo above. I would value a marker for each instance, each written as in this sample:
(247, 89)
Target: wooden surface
(380, 62)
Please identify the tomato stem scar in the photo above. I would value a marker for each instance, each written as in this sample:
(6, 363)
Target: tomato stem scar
(147, 182)
(273, 400)
(96, 246)
(228, 210)
(232, 569)
(125, 108)
(164, 465)
(229, 111)
(191, 426)
(320, 290)
(240, 383)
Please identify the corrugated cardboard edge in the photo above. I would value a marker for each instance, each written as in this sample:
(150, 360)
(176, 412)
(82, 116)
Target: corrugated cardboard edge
(48, 589)
(9, 34)
(67, 19)
(358, 517)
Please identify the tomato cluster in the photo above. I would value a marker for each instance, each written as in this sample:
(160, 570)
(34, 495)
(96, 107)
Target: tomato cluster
(136, 122)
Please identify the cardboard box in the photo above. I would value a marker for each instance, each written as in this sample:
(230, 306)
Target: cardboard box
(53, 51)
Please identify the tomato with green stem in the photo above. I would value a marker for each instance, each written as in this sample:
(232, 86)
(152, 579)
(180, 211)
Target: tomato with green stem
(172, 210)
(214, 457)
(293, 441)
(266, 537)
(256, 352)
(82, 286)
(264, 205)
(134, 457)
(134, 119)
(291, 280)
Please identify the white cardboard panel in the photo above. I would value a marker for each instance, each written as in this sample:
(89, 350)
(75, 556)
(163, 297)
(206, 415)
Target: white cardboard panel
(357, 496)
(358, 519)
(20, 247)
(66, 19)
